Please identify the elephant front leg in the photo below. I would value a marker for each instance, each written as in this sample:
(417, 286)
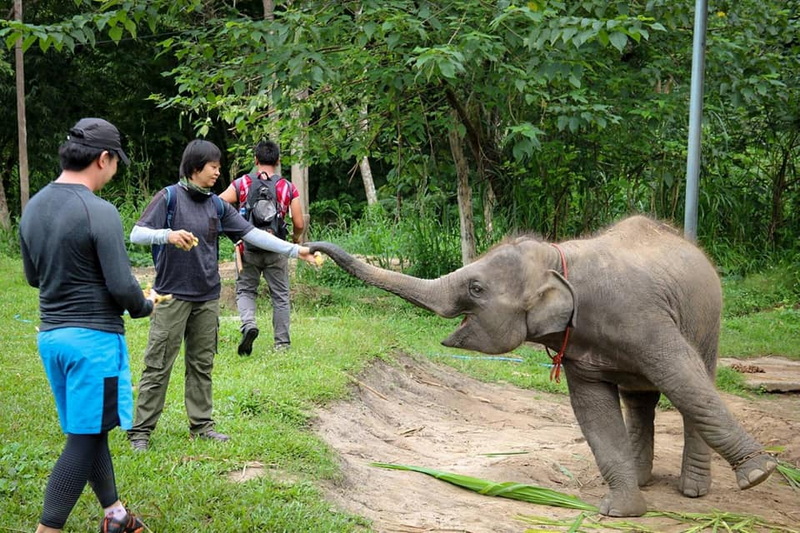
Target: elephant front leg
(640, 410)
(696, 466)
(596, 406)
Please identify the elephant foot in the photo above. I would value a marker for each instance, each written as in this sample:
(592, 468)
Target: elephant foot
(623, 503)
(694, 486)
(754, 470)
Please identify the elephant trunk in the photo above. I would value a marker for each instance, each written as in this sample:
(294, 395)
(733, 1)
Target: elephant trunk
(425, 293)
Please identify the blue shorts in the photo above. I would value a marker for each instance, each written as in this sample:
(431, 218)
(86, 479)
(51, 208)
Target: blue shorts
(90, 377)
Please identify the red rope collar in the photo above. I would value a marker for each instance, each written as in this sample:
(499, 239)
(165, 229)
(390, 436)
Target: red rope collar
(555, 372)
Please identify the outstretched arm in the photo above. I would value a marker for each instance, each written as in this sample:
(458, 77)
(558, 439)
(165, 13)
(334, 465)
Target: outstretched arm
(267, 241)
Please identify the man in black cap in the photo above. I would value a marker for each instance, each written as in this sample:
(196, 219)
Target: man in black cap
(73, 251)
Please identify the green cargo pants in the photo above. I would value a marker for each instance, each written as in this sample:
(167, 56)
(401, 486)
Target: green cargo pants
(174, 322)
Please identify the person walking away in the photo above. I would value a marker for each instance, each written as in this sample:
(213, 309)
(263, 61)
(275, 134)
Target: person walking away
(189, 219)
(73, 251)
(257, 263)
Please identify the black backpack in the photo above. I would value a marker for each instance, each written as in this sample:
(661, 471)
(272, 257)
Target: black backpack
(261, 206)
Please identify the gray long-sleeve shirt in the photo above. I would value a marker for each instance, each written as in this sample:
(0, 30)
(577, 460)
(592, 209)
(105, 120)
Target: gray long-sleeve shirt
(73, 250)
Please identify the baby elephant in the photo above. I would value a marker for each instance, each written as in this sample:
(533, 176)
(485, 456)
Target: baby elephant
(634, 313)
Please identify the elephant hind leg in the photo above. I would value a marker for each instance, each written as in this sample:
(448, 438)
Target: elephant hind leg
(696, 466)
(754, 470)
(640, 408)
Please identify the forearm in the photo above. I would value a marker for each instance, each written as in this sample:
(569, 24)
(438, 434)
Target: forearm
(297, 235)
(269, 242)
(149, 236)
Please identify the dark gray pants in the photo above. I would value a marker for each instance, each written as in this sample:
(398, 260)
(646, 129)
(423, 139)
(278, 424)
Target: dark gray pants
(274, 268)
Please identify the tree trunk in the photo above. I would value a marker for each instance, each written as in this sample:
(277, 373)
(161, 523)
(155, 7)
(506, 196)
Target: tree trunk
(22, 130)
(778, 188)
(369, 184)
(300, 171)
(489, 200)
(464, 196)
(269, 9)
(5, 216)
(366, 170)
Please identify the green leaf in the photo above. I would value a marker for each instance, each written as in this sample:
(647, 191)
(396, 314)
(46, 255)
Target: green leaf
(618, 40)
(115, 33)
(11, 40)
(29, 40)
(515, 491)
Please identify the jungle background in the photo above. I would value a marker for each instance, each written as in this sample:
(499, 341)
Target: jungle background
(426, 131)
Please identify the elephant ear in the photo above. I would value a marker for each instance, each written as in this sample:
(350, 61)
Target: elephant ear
(553, 306)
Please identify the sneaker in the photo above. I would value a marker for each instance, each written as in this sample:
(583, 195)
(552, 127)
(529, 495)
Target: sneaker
(140, 445)
(246, 345)
(129, 524)
(281, 347)
(211, 435)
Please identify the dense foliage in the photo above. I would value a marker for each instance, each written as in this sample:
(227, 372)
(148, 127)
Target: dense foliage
(572, 114)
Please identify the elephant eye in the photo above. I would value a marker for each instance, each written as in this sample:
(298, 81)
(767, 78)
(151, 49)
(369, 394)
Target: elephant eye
(475, 289)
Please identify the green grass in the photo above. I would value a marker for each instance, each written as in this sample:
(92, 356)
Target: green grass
(771, 332)
(266, 403)
(761, 315)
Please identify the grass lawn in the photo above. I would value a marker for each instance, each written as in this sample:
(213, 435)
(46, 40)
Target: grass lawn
(265, 402)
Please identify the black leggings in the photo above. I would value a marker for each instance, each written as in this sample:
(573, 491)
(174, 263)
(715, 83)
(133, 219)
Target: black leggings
(86, 458)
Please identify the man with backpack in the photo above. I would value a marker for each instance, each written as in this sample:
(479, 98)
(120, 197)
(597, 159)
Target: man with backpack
(265, 198)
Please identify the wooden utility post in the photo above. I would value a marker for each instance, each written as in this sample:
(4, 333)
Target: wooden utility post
(24, 187)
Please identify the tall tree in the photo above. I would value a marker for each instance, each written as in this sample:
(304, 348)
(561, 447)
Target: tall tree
(22, 129)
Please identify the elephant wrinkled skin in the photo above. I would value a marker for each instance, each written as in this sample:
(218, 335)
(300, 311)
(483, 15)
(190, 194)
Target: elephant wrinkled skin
(643, 306)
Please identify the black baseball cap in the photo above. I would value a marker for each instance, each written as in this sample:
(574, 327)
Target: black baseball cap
(98, 133)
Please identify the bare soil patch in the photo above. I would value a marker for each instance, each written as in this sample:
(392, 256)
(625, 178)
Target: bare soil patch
(415, 412)
(769, 374)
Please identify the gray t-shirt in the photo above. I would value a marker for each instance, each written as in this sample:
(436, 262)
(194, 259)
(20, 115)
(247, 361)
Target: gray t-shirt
(73, 250)
(192, 275)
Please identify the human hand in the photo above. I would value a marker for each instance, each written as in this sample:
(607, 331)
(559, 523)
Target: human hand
(305, 254)
(185, 240)
(154, 297)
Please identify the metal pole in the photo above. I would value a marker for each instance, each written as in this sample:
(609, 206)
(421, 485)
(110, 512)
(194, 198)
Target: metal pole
(695, 119)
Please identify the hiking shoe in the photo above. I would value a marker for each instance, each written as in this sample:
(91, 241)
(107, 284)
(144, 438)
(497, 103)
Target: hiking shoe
(212, 435)
(129, 524)
(246, 345)
(140, 445)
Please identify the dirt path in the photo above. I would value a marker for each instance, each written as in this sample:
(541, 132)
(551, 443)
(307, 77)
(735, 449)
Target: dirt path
(418, 413)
